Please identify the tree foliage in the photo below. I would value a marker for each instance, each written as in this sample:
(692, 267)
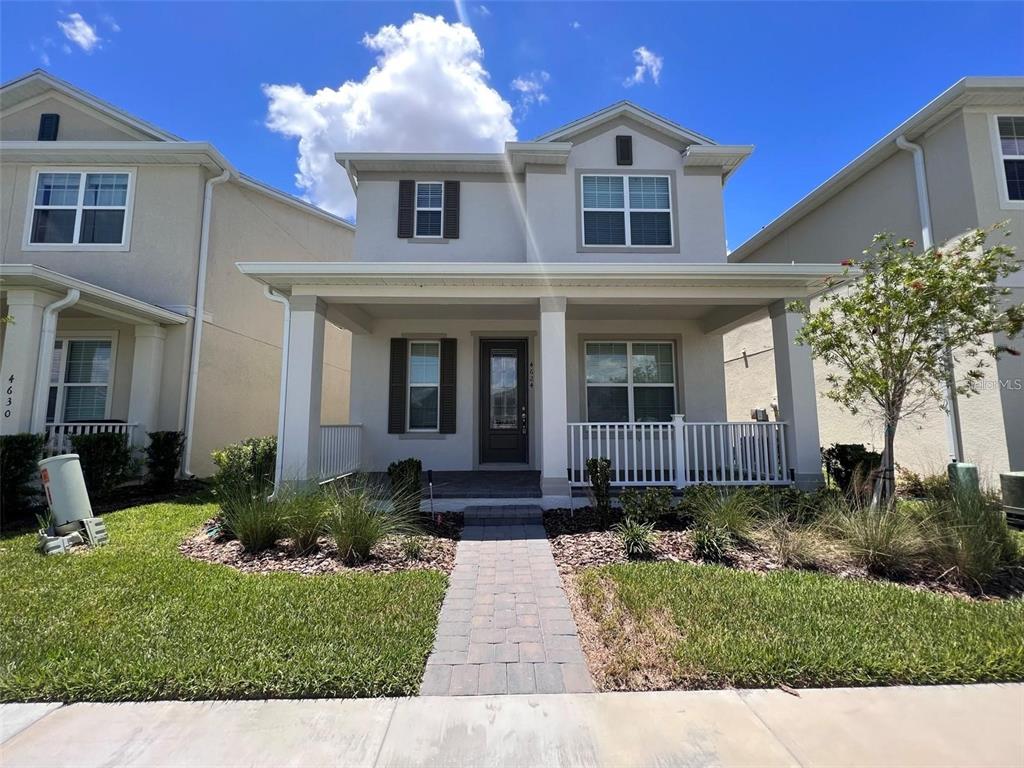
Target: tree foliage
(885, 334)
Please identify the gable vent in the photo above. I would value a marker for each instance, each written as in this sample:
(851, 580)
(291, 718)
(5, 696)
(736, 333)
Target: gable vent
(49, 123)
(624, 150)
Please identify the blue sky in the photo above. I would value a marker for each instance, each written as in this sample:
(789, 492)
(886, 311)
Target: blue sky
(811, 85)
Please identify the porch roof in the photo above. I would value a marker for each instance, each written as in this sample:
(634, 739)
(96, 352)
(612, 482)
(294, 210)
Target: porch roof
(93, 298)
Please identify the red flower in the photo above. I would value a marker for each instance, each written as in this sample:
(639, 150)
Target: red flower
(917, 285)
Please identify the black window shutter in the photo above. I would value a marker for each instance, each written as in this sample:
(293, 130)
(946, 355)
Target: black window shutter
(451, 210)
(49, 123)
(446, 426)
(406, 207)
(397, 386)
(624, 150)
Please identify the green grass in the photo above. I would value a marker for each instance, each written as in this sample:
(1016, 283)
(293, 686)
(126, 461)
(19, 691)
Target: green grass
(136, 621)
(706, 626)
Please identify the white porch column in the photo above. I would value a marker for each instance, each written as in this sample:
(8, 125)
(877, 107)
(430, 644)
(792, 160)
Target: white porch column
(554, 416)
(798, 405)
(304, 372)
(20, 356)
(147, 371)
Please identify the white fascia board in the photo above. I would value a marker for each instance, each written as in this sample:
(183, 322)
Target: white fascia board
(30, 276)
(728, 157)
(627, 108)
(183, 152)
(421, 161)
(957, 96)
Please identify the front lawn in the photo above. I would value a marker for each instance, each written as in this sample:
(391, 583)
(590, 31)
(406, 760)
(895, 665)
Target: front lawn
(673, 625)
(136, 620)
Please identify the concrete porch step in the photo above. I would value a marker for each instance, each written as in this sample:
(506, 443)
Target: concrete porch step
(503, 515)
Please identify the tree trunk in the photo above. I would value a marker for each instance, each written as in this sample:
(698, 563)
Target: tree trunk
(885, 486)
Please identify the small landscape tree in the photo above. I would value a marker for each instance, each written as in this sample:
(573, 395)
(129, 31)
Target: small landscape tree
(892, 334)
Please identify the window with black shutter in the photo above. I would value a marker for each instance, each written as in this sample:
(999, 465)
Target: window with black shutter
(451, 210)
(397, 382)
(406, 207)
(448, 397)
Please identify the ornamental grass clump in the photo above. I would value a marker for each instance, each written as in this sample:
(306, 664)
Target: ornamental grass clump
(303, 515)
(638, 538)
(882, 537)
(253, 520)
(362, 514)
(733, 511)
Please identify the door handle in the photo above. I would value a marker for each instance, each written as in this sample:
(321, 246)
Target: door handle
(523, 420)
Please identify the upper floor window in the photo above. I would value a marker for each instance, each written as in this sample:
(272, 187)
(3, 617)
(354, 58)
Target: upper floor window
(1011, 142)
(429, 207)
(80, 208)
(633, 211)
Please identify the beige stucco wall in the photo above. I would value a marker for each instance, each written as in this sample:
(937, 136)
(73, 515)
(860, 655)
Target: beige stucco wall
(921, 443)
(77, 123)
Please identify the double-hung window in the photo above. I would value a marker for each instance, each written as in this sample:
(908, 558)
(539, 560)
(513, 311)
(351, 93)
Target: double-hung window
(80, 371)
(630, 381)
(88, 209)
(1011, 144)
(634, 211)
(424, 385)
(429, 207)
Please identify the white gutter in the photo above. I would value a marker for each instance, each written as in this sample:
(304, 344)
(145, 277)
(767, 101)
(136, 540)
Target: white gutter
(281, 299)
(47, 337)
(198, 321)
(953, 430)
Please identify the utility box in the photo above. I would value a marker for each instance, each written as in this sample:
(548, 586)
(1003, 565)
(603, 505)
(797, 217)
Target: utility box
(1013, 496)
(66, 495)
(963, 478)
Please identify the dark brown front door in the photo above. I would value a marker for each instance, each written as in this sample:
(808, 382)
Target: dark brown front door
(504, 419)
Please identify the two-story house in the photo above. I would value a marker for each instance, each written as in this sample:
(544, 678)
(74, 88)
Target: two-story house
(955, 165)
(124, 309)
(529, 309)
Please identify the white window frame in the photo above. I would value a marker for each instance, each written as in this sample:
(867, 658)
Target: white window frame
(66, 337)
(417, 209)
(409, 386)
(629, 383)
(997, 153)
(627, 211)
(128, 208)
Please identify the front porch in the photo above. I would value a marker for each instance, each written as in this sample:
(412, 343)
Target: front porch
(538, 368)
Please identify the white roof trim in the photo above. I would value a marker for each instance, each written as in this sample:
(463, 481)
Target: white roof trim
(963, 93)
(94, 297)
(629, 109)
(62, 86)
(514, 159)
(728, 157)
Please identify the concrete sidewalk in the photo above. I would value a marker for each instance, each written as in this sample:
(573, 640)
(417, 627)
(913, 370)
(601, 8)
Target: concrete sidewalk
(942, 726)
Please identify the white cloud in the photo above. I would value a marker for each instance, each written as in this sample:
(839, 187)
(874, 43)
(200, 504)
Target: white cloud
(80, 32)
(427, 92)
(111, 22)
(483, 10)
(44, 57)
(575, 25)
(647, 63)
(530, 89)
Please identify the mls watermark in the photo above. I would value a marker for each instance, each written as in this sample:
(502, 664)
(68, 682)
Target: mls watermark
(1004, 385)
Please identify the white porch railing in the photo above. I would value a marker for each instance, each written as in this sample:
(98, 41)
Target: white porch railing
(341, 447)
(58, 436)
(681, 453)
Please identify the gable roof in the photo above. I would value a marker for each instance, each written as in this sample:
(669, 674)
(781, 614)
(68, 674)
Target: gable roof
(625, 109)
(38, 82)
(969, 91)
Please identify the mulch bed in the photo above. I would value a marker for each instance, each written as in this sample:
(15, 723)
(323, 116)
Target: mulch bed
(439, 543)
(578, 541)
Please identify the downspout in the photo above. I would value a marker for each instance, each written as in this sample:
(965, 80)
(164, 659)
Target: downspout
(47, 337)
(281, 299)
(954, 435)
(197, 321)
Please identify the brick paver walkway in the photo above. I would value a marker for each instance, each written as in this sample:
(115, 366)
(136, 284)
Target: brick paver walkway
(505, 624)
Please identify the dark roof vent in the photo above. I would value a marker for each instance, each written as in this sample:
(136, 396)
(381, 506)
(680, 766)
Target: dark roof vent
(49, 123)
(624, 150)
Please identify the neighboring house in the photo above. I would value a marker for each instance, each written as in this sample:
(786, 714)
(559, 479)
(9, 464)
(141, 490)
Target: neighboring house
(966, 171)
(528, 309)
(113, 232)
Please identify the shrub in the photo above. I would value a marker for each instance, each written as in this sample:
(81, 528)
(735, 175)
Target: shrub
(882, 538)
(733, 511)
(106, 459)
(163, 457)
(245, 470)
(970, 541)
(712, 542)
(637, 537)
(253, 520)
(406, 482)
(412, 547)
(845, 462)
(361, 515)
(18, 457)
(303, 516)
(917, 486)
(599, 470)
(648, 505)
(695, 497)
